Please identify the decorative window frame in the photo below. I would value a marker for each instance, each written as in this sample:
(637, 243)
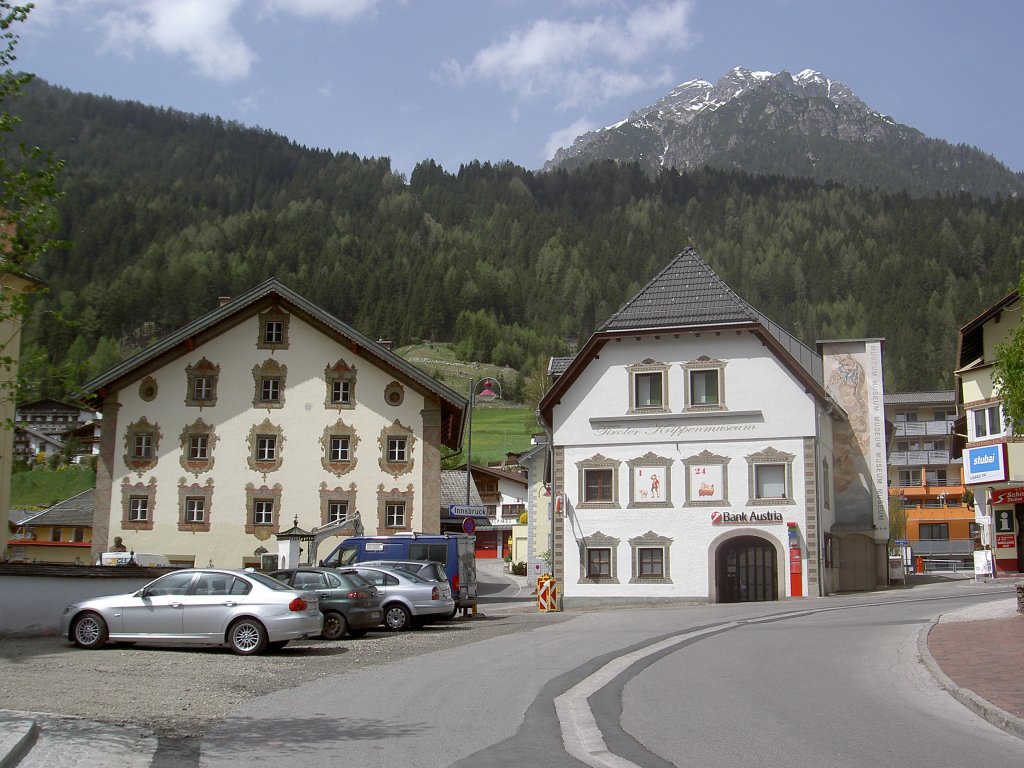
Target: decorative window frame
(394, 496)
(396, 468)
(597, 461)
(198, 428)
(645, 367)
(203, 369)
(340, 372)
(265, 429)
(188, 491)
(394, 394)
(269, 369)
(274, 315)
(769, 456)
(637, 497)
(598, 540)
(718, 467)
(133, 490)
(327, 495)
(138, 464)
(338, 429)
(253, 494)
(651, 540)
(148, 389)
(704, 363)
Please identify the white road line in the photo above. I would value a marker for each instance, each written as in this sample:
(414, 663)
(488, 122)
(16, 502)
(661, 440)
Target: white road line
(581, 735)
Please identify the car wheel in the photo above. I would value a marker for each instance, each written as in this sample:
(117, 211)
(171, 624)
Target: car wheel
(397, 617)
(356, 632)
(276, 646)
(247, 637)
(89, 631)
(335, 626)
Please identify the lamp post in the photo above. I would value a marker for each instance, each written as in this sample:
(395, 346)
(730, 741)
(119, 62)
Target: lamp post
(486, 394)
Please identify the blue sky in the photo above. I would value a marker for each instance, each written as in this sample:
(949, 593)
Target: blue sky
(495, 80)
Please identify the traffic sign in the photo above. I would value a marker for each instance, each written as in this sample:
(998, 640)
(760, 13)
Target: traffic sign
(468, 525)
(466, 510)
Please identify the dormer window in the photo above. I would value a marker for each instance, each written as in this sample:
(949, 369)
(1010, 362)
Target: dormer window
(273, 330)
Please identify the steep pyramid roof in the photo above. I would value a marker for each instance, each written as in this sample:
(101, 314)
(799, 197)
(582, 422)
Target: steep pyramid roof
(687, 292)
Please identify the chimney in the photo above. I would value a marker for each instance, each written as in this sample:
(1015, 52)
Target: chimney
(222, 300)
(386, 343)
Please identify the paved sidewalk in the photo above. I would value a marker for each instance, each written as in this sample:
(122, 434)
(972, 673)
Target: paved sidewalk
(976, 654)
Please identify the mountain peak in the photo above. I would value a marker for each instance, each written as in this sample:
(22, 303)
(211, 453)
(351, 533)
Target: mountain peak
(793, 125)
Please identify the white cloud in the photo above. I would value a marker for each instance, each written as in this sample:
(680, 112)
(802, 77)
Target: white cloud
(564, 136)
(582, 62)
(334, 9)
(202, 31)
(199, 30)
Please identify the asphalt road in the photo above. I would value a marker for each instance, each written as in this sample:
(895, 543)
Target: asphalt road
(821, 682)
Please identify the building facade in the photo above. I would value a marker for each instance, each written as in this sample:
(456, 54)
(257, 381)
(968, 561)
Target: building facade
(993, 457)
(926, 478)
(266, 413)
(701, 452)
(59, 534)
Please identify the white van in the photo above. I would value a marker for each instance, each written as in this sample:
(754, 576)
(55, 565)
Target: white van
(140, 558)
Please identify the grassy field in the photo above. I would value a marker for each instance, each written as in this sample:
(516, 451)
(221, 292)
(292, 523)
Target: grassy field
(497, 431)
(438, 361)
(42, 488)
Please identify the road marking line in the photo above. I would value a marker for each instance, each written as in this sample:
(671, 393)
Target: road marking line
(581, 735)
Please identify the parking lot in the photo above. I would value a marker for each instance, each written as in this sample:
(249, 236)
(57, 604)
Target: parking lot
(177, 692)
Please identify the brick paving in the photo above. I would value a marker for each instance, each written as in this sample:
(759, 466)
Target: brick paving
(985, 656)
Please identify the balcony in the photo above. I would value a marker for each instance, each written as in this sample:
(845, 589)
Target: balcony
(923, 428)
(919, 458)
(928, 547)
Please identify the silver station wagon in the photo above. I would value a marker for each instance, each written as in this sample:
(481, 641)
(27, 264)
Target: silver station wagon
(245, 611)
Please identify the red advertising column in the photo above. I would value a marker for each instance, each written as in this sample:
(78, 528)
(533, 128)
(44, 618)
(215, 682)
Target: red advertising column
(796, 566)
(796, 573)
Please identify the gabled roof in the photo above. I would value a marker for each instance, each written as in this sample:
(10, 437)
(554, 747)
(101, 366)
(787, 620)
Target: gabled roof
(687, 295)
(76, 511)
(453, 489)
(970, 343)
(39, 435)
(945, 397)
(274, 293)
(500, 474)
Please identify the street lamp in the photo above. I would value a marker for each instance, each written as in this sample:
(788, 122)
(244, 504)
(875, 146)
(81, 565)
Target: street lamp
(486, 394)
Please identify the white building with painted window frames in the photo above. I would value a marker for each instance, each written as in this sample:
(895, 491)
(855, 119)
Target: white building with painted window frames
(266, 412)
(702, 452)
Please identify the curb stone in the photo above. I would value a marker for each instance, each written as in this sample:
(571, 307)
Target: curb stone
(16, 739)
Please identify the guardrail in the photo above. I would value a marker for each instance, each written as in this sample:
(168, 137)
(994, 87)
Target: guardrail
(935, 566)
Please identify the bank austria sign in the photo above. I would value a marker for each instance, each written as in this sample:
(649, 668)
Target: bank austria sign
(985, 465)
(754, 517)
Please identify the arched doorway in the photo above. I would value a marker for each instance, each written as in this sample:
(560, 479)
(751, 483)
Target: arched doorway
(746, 570)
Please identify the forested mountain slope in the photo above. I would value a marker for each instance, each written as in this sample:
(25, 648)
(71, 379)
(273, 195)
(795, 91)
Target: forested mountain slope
(169, 211)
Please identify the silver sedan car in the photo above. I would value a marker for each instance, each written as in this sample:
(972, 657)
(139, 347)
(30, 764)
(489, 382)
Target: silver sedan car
(246, 611)
(407, 599)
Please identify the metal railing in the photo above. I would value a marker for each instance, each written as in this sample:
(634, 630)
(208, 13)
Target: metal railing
(923, 428)
(929, 547)
(934, 566)
(918, 458)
